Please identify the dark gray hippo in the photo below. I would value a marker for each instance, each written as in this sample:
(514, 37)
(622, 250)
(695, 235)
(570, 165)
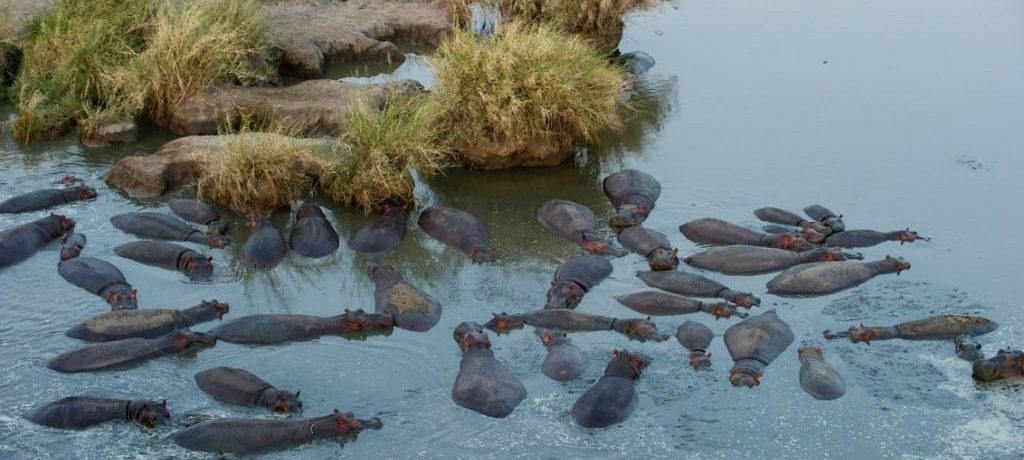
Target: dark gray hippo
(1006, 364)
(460, 229)
(696, 338)
(243, 436)
(198, 212)
(164, 227)
(692, 284)
(656, 303)
(805, 233)
(636, 63)
(753, 344)
(942, 327)
(383, 234)
(126, 352)
(46, 199)
(613, 398)
(79, 412)
(196, 266)
(709, 230)
(312, 235)
(654, 246)
(411, 308)
(265, 247)
(273, 328)
(564, 361)
(241, 387)
(822, 278)
(147, 323)
(633, 194)
(790, 219)
(577, 223)
(826, 217)
(20, 242)
(94, 275)
(568, 320)
(868, 238)
(967, 348)
(817, 377)
(743, 259)
(574, 278)
(483, 385)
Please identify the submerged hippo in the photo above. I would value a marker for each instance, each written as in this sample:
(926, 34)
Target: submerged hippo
(569, 320)
(483, 385)
(46, 199)
(652, 245)
(198, 212)
(564, 361)
(577, 223)
(633, 194)
(664, 304)
(265, 247)
(79, 412)
(742, 259)
(20, 242)
(692, 284)
(458, 228)
(242, 436)
(94, 275)
(196, 266)
(636, 63)
(805, 233)
(967, 348)
(1006, 364)
(696, 338)
(826, 217)
(312, 235)
(613, 398)
(148, 323)
(574, 278)
(817, 377)
(783, 217)
(753, 344)
(241, 387)
(822, 278)
(867, 238)
(164, 227)
(717, 231)
(126, 352)
(383, 234)
(942, 327)
(267, 329)
(411, 308)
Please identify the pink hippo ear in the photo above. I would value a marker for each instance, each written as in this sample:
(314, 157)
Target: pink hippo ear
(615, 352)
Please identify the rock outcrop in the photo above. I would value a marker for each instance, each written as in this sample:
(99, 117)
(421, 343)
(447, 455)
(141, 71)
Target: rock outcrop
(112, 134)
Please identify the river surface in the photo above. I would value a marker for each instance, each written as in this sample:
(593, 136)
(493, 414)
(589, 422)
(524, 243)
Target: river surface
(896, 114)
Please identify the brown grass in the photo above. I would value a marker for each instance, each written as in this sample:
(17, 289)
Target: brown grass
(597, 21)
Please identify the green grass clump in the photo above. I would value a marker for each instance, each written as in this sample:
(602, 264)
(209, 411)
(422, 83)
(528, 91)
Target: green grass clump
(598, 21)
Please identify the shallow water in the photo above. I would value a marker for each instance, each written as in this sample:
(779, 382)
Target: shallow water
(914, 121)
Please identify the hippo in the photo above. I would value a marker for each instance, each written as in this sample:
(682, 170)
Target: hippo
(577, 223)
(808, 234)
(164, 227)
(241, 387)
(20, 242)
(458, 228)
(46, 199)
(942, 327)
(717, 231)
(817, 377)
(411, 309)
(569, 320)
(692, 284)
(196, 266)
(94, 275)
(200, 213)
(148, 323)
(826, 217)
(742, 259)
(632, 193)
(753, 344)
(243, 436)
(636, 63)
(383, 234)
(652, 245)
(574, 278)
(126, 352)
(483, 385)
(613, 398)
(696, 337)
(791, 219)
(967, 348)
(564, 361)
(664, 304)
(267, 329)
(868, 238)
(80, 412)
(1006, 364)
(822, 278)
(312, 235)
(265, 247)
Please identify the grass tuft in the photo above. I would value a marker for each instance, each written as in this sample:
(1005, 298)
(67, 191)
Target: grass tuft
(597, 21)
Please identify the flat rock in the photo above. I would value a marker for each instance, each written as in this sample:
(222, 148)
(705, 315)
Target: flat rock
(112, 134)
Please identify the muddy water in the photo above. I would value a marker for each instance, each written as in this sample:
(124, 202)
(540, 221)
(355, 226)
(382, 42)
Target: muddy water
(913, 121)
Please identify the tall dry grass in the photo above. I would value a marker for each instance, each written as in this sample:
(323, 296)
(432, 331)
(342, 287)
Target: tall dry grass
(597, 21)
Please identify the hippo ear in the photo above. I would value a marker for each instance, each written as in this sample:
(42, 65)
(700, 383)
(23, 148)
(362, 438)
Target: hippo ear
(615, 352)
(297, 393)
(164, 403)
(552, 282)
(675, 251)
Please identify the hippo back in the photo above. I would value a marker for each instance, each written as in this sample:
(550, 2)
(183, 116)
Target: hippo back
(631, 182)
(763, 337)
(820, 278)
(383, 234)
(233, 385)
(642, 240)
(611, 400)
(78, 412)
(586, 269)
(946, 327)
(193, 210)
(743, 259)
(485, 386)
(565, 217)
(90, 273)
(123, 324)
(152, 224)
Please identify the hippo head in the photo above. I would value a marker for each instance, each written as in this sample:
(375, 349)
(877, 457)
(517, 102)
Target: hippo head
(379, 272)
(67, 224)
(481, 254)
(564, 294)
(85, 192)
(349, 424)
(258, 221)
(811, 235)
(663, 259)
(216, 309)
(360, 321)
(72, 246)
(908, 236)
(547, 335)
(602, 247)
(217, 226)
(627, 364)
(832, 254)
(309, 209)
(628, 215)
(700, 360)
(286, 402)
(1004, 365)
(835, 223)
(192, 341)
(967, 348)
(122, 299)
(68, 179)
(503, 322)
(216, 240)
(149, 413)
(810, 350)
(792, 242)
(638, 329)
(897, 264)
(199, 267)
(470, 335)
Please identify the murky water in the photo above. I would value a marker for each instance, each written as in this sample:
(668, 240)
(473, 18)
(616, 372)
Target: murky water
(913, 121)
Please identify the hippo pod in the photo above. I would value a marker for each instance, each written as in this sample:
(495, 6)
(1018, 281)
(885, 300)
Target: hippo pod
(753, 344)
(574, 278)
(46, 199)
(312, 235)
(483, 385)
(692, 284)
(170, 256)
(696, 338)
(265, 247)
(383, 234)
(270, 329)
(822, 278)
(654, 246)
(411, 309)
(459, 229)
(198, 212)
(20, 242)
(242, 436)
(867, 238)
(94, 275)
(613, 398)
(145, 323)
(126, 352)
(243, 388)
(744, 259)
(717, 231)
(817, 377)
(664, 304)
(79, 412)
(564, 361)
(942, 327)
(578, 224)
(568, 320)
(1006, 364)
(164, 227)
(632, 193)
